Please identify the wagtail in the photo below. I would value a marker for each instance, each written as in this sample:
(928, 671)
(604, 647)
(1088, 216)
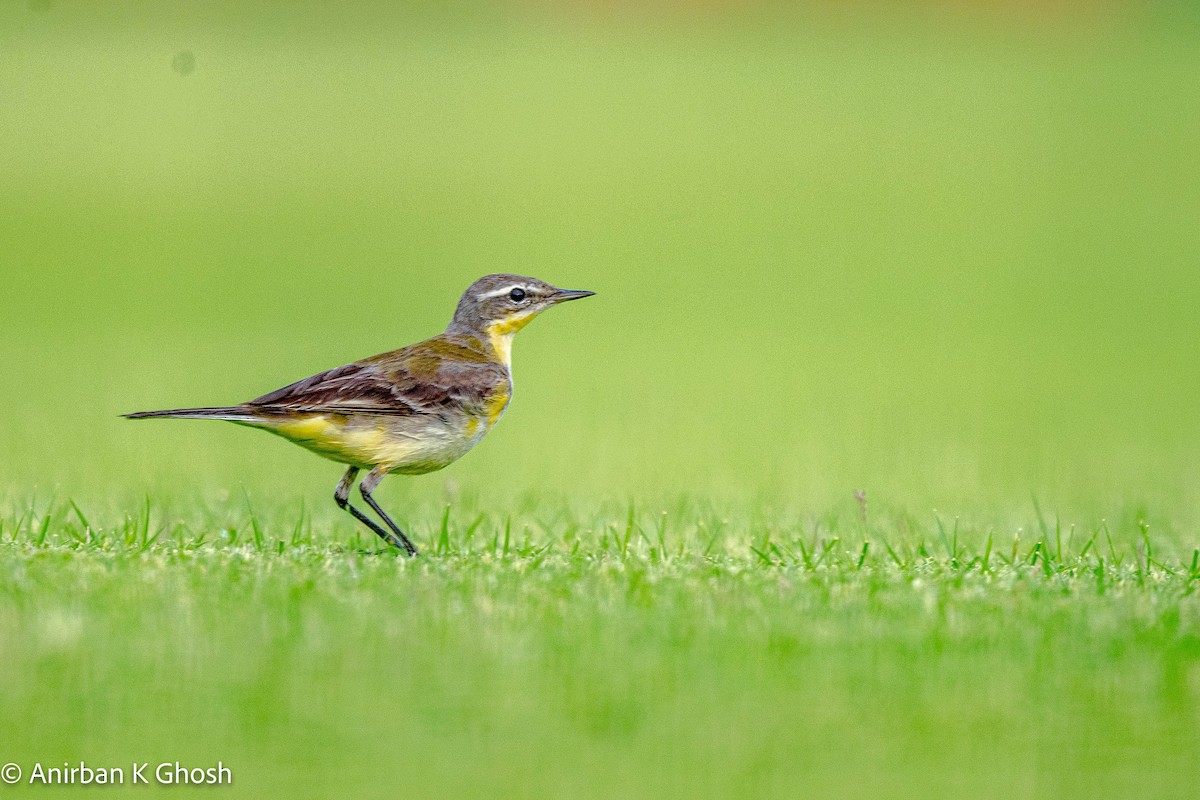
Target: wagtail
(411, 411)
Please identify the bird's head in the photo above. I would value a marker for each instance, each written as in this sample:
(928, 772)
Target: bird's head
(497, 306)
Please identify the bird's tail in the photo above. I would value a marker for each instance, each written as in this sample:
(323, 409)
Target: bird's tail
(228, 413)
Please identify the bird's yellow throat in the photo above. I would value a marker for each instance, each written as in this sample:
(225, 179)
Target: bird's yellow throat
(500, 335)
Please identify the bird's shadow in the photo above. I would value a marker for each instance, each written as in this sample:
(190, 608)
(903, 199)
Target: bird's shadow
(365, 551)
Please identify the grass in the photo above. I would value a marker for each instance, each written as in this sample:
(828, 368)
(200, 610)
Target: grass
(606, 653)
(872, 469)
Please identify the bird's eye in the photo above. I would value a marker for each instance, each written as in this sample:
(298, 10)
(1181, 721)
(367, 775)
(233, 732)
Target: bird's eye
(517, 295)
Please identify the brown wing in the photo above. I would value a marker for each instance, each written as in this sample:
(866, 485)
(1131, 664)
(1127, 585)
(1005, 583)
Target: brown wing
(422, 379)
(352, 387)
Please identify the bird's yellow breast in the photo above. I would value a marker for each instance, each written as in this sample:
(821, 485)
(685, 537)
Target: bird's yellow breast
(412, 445)
(495, 405)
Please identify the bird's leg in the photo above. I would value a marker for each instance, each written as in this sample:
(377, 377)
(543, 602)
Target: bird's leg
(365, 488)
(342, 497)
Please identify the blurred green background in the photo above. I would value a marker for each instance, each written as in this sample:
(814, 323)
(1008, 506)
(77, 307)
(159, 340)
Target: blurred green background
(943, 253)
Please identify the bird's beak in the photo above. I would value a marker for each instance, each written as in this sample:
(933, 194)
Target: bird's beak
(563, 295)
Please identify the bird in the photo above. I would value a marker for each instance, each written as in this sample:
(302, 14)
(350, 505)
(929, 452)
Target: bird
(409, 411)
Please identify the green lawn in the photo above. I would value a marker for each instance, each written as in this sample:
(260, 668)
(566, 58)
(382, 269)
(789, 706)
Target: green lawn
(952, 265)
(597, 657)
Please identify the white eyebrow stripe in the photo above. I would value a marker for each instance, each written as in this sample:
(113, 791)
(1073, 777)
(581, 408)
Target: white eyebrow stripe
(498, 292)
